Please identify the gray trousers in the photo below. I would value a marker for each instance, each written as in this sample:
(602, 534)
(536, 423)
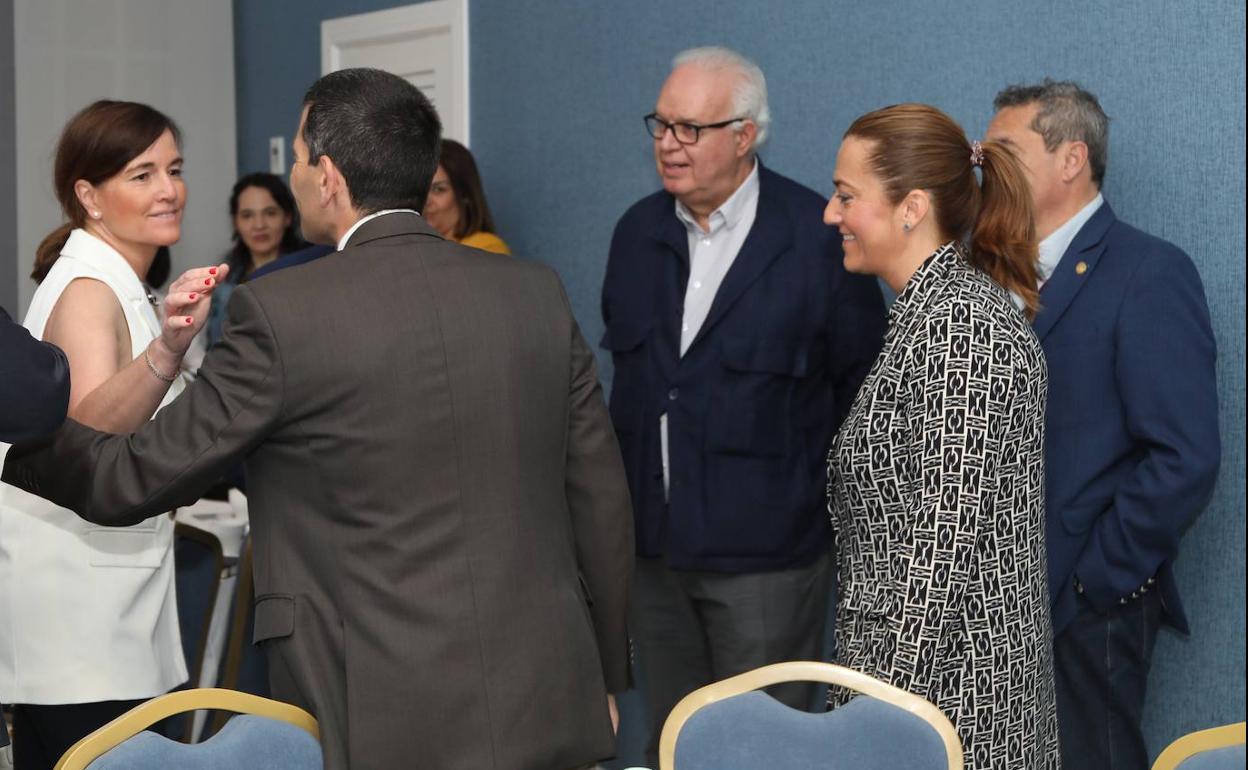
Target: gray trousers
(695, 628)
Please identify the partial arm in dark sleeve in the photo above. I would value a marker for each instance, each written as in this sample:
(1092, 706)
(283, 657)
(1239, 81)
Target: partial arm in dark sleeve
(602, 514)
(1167, 380)
(121, 480)
(857, 333)
(34, 384)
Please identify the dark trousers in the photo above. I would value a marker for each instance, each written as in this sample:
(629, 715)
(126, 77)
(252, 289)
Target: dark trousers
(695, 628)
(1101, 663)
(41, 734)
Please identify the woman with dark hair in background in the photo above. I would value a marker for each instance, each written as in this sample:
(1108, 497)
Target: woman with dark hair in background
(456, 205)
(936, 478)
(89, 613)
(266, 226)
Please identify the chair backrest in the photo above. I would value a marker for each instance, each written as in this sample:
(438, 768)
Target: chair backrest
(198, 566)
(246, 667)
(1217, 748)
(235, 747)
(245, 743)
(727, 726)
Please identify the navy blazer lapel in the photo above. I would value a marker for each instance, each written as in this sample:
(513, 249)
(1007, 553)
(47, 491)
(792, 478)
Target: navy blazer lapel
(673, 239)
(1074, 269)
(770, 236)
(671, 233)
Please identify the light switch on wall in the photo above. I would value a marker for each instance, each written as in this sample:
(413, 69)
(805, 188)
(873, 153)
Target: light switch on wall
(277, 155)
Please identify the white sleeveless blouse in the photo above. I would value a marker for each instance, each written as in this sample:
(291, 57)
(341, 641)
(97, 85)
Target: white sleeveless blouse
(87, 613)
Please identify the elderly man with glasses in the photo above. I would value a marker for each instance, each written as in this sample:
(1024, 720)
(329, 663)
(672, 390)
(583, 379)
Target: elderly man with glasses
(739, 341)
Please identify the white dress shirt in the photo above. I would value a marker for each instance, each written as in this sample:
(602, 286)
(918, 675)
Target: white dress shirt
(1053, 247)
(711, 254)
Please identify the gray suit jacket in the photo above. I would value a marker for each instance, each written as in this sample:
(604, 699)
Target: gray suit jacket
(443, 535)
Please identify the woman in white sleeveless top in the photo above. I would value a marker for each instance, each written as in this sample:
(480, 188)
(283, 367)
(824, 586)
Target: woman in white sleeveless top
(88, 614)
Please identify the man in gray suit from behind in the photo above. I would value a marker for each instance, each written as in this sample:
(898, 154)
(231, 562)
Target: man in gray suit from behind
(443, 535)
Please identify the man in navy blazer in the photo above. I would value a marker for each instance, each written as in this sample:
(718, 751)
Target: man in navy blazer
(1132, 446)
(739, 342)
(34, 384)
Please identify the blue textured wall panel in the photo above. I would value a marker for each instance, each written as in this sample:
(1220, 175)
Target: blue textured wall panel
(559, 88)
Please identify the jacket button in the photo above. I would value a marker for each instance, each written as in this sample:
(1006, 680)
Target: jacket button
(673, 394)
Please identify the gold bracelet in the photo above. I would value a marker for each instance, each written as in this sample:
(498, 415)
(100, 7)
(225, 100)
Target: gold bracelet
(155, 371)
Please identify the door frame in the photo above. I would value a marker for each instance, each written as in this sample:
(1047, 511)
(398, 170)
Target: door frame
(407, 21)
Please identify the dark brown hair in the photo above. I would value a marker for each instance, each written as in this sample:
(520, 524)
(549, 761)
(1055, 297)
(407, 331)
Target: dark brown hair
(96, 144)
(917, 147)
(461, 169)
(381, 132)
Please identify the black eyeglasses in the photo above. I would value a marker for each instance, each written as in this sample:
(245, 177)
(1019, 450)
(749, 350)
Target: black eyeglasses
(685, 133)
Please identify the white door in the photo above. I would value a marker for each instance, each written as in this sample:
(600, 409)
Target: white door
(176, 55)
(426, 43)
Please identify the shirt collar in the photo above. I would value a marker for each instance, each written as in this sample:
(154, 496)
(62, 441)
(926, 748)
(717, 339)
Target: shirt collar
(342, 242)
(730, 211)
(1053, 247)
(86, 248)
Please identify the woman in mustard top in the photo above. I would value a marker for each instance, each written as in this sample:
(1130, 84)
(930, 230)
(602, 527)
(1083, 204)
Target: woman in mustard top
(456, 204)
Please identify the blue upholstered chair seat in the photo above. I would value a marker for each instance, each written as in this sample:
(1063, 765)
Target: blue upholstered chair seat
(246, 742)
(1225, 758)
(753, 730)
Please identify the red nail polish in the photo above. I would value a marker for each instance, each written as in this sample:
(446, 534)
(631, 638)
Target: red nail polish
(188, 320)
(207, 281)
(212, 271)
(193, 296)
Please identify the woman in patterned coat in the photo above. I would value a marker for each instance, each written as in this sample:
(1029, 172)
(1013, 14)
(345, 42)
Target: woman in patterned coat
(936, 478)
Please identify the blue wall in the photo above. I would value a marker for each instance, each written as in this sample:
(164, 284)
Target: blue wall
(559, 88)
(277, 55)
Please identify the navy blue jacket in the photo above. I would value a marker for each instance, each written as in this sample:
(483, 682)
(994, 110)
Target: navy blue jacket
(34, 384)
(753, 404)
(1131, 444)
(293, 259)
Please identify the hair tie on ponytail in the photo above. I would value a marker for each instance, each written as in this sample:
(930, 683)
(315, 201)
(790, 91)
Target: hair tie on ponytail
(977, 153)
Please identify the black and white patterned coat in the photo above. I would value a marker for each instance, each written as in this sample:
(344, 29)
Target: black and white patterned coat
(936, 491)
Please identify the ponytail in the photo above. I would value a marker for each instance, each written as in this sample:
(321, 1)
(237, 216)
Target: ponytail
(918, 147)
(49, 250)
(1003, 239)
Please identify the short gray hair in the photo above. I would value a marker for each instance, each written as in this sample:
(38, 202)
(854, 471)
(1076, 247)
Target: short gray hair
(1067, 113)
(749, 95)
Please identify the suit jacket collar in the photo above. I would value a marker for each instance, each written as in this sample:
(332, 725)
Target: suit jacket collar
(1074, 269)
(771, 236)
(390, 225)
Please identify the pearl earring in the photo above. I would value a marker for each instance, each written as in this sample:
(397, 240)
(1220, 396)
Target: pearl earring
(95, 215)
(905, 226)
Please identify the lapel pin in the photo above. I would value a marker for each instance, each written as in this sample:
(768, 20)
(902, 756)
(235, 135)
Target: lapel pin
(1081, 268)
